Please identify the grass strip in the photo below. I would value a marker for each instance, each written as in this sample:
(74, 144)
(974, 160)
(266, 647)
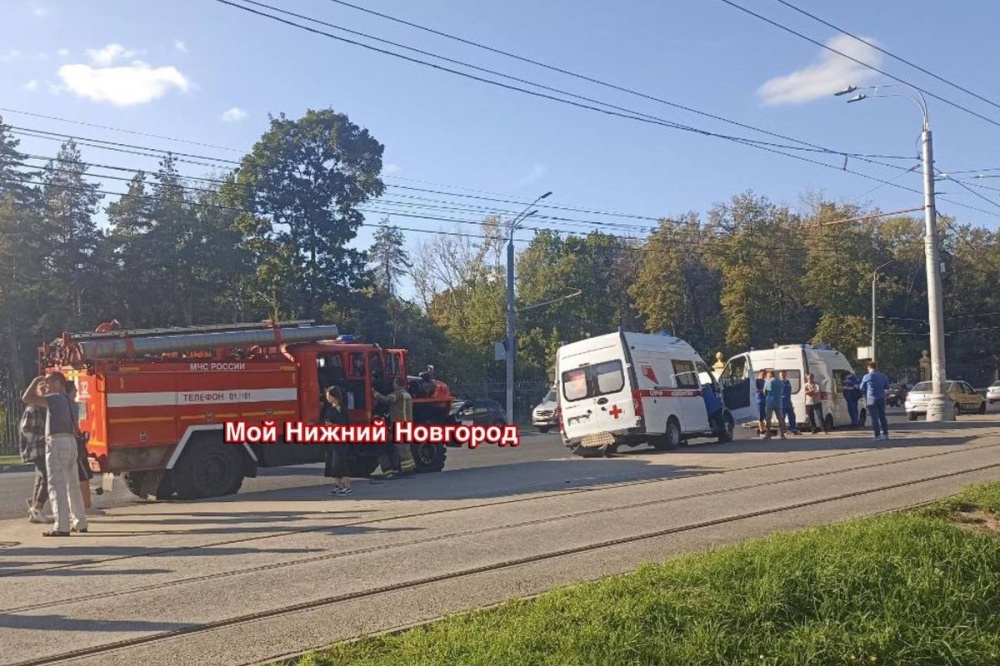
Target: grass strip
(908, 589)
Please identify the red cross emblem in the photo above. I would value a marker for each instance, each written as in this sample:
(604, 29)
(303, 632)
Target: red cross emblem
(616, 411)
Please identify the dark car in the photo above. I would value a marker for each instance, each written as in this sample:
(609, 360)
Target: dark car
(479, 412)
(896, 395)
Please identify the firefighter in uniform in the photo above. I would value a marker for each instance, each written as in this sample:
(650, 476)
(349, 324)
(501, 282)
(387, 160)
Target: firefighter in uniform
(400, 409)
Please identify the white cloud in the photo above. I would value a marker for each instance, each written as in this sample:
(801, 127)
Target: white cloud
(39, 11)
(537, 172)
(109, 54)
(233, 115)
(63, 53)
(391, 169)
(820, 79)
(180, 46)
(136, 83)
(11, 56)
(31, 85)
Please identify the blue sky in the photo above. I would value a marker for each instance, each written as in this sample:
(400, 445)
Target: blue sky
(179, 66)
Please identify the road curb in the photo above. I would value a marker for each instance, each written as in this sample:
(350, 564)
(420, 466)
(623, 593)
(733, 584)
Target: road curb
(23, 467)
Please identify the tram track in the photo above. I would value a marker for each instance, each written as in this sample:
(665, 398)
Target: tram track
(477, 532)
(472, 571)
(467, 507)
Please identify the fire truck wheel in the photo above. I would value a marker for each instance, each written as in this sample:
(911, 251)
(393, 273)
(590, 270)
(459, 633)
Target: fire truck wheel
(133, 481)
(429, 457)
(208, 468)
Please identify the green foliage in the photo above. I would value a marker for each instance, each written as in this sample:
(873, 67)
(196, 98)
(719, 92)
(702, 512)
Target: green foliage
(300, 187)
(900, 589)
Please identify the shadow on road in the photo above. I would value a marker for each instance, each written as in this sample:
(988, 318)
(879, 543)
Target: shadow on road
(63, 623)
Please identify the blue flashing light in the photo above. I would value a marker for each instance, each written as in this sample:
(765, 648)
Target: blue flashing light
(666, 334)
(345, 338)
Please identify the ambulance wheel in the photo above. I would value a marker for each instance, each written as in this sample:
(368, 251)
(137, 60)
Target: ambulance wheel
(728, 427)
(911, 416)
(362, 466)
(429, 457)
(587, 451)
(208, 468)
(671, 439)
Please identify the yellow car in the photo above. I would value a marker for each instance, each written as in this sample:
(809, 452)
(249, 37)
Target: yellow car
(963, 398)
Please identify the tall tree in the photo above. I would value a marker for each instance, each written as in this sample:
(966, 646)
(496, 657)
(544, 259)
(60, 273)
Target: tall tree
(132, 254)
(72, 237)
(300, 187)
(388, 258)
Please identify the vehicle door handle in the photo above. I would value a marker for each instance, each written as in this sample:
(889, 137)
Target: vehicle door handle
(602, 401)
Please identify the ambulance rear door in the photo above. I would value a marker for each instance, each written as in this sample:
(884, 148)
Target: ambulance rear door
(594, 387)
(739, 390)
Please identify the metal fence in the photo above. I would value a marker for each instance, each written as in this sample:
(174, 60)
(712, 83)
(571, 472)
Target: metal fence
(10, 417)
(527, 394)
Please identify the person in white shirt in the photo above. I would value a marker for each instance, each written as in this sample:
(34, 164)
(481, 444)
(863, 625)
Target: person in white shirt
(814, 404)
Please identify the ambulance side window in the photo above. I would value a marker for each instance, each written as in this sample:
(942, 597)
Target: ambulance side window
(838, 379)
(685, 374)
(795, 379)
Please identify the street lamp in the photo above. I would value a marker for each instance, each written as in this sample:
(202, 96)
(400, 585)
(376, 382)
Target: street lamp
(936, 405)
(511, 340)
(874, 278)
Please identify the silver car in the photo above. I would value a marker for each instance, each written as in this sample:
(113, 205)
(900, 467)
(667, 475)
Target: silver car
(544, 416)
(993, 393)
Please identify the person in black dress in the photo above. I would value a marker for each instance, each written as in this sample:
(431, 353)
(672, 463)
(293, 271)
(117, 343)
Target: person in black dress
(334, 412)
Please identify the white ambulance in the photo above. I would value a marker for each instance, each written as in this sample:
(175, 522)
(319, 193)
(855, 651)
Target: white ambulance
(634, 388)
(827, 365)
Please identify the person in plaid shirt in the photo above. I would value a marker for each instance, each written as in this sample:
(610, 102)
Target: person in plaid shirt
(32, 443)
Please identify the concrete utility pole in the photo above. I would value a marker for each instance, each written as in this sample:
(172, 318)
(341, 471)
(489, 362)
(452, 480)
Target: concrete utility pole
(511, 337)
(938, 407)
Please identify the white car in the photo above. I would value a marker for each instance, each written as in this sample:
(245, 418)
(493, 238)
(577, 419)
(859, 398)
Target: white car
(961, 395)
(544, 416)
(993, 393)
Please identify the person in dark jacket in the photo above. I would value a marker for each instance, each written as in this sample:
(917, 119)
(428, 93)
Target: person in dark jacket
(334, 412)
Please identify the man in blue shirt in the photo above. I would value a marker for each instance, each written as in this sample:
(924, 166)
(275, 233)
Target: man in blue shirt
(762, 427)
(713, 405)
(786, 405)
(874, 385)
(852, 394)
(774, 389)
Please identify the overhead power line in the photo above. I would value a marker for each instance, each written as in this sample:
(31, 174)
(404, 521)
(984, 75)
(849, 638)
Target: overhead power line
(590, 79)
(884, 51)
(599, 109)
(792, 31)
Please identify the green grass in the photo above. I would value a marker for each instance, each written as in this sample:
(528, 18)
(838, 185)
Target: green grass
(907, 589)
(10, 460)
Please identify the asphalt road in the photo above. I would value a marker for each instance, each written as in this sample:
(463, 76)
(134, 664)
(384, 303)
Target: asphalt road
(15, 486)
(284, 567)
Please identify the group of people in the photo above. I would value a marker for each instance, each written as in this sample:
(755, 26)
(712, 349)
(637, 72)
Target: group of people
(774, 402)
(50, 439)
(395, 458)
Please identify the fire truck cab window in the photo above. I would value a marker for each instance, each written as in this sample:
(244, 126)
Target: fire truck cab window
(357, 366)
(375, 364)
(330, 371)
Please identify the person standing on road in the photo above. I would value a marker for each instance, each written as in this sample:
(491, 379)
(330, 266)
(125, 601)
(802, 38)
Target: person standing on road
(875, 384)
(774, 390)
(400, 411)
(762, 427)
(32, 445)
(82, 462)
(786, 406)
(337, 455)
(852, 394)
(814, 404)
(61, 453)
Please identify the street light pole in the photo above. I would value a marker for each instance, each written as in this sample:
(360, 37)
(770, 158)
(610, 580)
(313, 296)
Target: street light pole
(874, 311)
(511, 337)
(937, 404)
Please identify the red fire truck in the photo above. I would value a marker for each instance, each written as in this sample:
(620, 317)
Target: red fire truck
(153, 402)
